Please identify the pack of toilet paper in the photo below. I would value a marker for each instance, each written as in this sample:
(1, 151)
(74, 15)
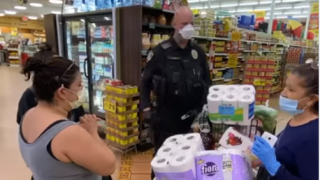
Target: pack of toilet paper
(223, 164)
(182, 157)
(175, 160)
(231, 104)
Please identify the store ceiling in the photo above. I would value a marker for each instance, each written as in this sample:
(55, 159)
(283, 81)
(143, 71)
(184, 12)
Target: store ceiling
(31, 8)
(283, 9)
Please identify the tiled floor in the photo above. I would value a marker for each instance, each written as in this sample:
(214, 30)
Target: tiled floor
(12, 166)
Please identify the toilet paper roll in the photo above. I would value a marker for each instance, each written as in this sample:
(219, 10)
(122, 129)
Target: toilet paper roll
(167, 151)
(194, 139)
(183, 166)
(217, 89)
(229, 106)
(160, 165)
(209, 163)
(231, 89)
(188, 148)
(247, 89)
(246, 102)
(173, 140)
(214, 101)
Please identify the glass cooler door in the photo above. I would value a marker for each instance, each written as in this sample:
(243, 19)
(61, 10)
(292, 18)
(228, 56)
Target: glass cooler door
(102, 58)
(76, 49)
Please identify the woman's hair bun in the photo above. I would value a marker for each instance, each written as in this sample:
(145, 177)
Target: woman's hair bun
(33, 65)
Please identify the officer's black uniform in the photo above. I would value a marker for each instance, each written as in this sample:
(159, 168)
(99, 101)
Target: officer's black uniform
(180, 80)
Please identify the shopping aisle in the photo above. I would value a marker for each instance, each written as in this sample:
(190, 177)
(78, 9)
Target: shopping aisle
(12, 166)
(12, 85)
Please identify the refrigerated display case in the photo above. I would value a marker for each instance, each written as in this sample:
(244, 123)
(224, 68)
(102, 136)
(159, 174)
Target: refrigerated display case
(90, 42)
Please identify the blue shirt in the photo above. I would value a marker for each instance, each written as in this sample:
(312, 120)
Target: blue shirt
(298, 152)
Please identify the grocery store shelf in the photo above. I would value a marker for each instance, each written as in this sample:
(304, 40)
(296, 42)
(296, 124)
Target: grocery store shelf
(242, 40)
(224, 68)
(259, 51)
(13, 57)
(226, 80)
(12, 49)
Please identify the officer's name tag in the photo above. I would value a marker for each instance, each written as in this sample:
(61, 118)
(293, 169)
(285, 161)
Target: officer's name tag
(173, 58)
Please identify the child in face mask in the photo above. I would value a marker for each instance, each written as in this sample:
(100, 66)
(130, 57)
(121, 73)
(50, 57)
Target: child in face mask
(296, 152)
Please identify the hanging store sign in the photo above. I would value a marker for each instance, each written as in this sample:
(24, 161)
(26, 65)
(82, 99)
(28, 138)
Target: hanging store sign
(260, 15)
(17, 22)
(314, 19)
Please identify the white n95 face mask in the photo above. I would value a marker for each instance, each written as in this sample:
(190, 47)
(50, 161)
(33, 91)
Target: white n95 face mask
(187, 31)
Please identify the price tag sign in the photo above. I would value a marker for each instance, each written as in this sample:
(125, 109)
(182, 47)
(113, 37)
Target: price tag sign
(235, 36)
(259, 82)
(233, 60)
(111, 106)
(195, 11)
(152, 26)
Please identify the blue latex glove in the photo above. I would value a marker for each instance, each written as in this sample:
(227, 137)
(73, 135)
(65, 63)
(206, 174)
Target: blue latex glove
(262, 149)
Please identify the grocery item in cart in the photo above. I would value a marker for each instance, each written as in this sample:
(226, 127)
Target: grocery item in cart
(267, 116)
(224, 164)
(232, 139)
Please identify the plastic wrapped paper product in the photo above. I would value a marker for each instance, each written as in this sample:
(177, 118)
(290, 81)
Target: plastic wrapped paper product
(267, 116)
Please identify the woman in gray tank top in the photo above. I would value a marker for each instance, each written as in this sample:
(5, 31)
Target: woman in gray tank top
(52, 147)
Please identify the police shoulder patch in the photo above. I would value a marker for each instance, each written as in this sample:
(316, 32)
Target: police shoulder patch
(150, 55)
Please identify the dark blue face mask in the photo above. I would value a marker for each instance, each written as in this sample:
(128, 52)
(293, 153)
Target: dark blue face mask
(290, 105)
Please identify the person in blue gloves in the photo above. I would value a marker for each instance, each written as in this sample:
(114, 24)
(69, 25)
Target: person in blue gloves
(296, 153)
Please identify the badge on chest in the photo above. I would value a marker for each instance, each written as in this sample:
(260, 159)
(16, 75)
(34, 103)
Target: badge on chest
(194, 54)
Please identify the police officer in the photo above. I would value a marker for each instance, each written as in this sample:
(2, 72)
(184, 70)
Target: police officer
(177, 72)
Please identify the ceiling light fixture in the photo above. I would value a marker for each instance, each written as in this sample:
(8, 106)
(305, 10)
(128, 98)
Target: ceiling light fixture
(229, 5)
(193, 1)
(284, 1)
(282, 17)
(244, 10)
(247, 4)
(300, 7)
(262, 9)
(107, 18)
(197, 8)
(55, 12)
(292, 13)
(300, 16)
(283, 8)
(214, 6)
(20, 7)
(33, 17)
(55, 1)
(36, 4)
(10, 12)
(269, 2)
